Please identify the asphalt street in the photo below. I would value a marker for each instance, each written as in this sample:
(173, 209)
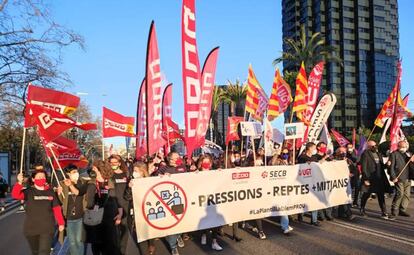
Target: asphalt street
(364, 235)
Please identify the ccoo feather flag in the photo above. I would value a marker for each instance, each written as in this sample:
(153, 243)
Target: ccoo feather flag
(280, 98)
(301, 95)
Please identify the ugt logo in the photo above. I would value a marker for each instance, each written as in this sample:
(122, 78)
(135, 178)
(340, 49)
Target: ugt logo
(305, 172)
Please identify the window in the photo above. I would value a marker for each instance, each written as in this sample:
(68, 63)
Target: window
(379, 18)
(346, 19)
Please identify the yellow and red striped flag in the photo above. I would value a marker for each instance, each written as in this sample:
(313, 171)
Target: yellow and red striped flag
(280, 98)
(301, 95)
(256, 99)
(387, 109)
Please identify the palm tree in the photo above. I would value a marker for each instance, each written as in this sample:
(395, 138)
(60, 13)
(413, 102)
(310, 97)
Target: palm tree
(215, 103)
(310, 51)
(235, 95)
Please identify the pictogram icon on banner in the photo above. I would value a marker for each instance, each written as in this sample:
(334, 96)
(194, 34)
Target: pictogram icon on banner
(164, 205)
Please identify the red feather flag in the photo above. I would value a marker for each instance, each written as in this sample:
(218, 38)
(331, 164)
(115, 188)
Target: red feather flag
(115, 124)
(191, 74)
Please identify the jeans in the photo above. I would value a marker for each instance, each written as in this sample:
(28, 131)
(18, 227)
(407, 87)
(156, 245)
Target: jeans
(40, 244)
(172, 241)
(314, 216)
(75, 233)
(284, 222)
(402, 197)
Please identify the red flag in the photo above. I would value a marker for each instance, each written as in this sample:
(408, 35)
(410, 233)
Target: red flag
(232, 124)
(141, 125)
(61, 102)
(172, 131)
(342, 141)
(59, 145)
(71, 157)
(191, 73)
(207, 87)
(115, 124)
(166, 111)
(155, 140)
(51, 124)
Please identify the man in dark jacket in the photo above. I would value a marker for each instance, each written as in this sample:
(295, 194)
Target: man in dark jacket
(352, 160)
(374, 179)
(400, 177)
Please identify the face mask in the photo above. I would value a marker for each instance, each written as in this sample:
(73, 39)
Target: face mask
(40, 182)
(284, 156)
(350, 150)
(74, 177)
(206, 165)
(322, 150)
(136, 175)
(114, 167)
(314, 152)
(343, 154)
(179, 162)
(403, 150)
(374, 148)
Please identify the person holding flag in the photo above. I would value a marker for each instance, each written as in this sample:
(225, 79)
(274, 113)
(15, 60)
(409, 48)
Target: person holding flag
(401, 163)
(42, 210)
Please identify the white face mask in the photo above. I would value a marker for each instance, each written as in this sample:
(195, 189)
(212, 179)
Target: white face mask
(136, 175)
(74, 177)
(314, 152)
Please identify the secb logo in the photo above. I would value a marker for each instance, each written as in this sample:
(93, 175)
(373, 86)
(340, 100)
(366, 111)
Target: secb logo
(305, 172)
(275, 174)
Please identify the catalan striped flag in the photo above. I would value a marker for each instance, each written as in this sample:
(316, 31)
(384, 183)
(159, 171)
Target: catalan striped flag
(280, 98)
(256, 98)
(301, 95)
(387, 109)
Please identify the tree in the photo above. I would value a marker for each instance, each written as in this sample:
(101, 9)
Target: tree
(309, 51)
(216, 101)
(235, 94)
(30, 48)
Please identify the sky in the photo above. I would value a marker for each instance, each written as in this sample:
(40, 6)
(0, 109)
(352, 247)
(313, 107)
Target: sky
(112, 67)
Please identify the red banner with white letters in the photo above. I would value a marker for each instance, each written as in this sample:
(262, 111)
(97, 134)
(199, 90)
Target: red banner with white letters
(191, 73)
(207, 88)
(154, 95)
(340, 139)
(115, 124)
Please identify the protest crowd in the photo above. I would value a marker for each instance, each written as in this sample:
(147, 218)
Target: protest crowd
(91, 204)
(107, 186)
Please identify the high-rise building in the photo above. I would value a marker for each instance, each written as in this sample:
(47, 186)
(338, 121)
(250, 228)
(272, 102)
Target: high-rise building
(365, 32)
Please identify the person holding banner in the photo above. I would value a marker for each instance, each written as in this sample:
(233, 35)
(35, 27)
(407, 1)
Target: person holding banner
(322, 156)
(101, 194)
(42, 210)
(305, 158)
(73, 203)
(373, 179)
(140, 170)
(283, 160)
(120, 179)
(401, 163)
(174, 166)
(205, 163)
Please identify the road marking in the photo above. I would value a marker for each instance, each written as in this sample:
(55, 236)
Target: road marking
(376, 233)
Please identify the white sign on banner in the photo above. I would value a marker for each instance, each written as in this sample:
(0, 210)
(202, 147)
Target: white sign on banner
(249, 128)
(294, 130)
(187, 202)
(278, 137)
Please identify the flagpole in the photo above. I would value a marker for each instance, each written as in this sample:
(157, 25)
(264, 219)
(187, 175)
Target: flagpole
(57, 162)
(241, 147)
(254, 150)
(54, 172)
(372, 131)
(294, 151)
(227, 155)
(22, 150)
(103, 149)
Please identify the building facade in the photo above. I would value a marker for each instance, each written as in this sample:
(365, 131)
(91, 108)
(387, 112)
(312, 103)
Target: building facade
(365, 32)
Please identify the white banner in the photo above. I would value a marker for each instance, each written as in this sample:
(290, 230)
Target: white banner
(188, 202)
(294, 130)
(320, 116)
